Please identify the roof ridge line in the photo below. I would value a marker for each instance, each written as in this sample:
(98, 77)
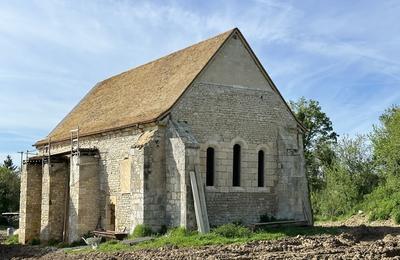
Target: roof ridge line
(169, 54)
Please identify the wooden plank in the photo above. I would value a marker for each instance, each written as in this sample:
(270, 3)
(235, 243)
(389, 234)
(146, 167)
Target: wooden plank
(197, 205)
(276, 224)
(202, 197)
(138, 240)
(110, 234)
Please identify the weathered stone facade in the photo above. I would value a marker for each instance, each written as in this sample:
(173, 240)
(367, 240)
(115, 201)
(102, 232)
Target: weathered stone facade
(30, 202)
(84, 196)
(140, 174)
(54, 185)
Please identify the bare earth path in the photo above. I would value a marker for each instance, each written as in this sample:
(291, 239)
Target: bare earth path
(354, 242)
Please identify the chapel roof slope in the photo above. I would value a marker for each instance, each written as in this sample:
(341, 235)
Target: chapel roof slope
(146, 93)
(139, 95)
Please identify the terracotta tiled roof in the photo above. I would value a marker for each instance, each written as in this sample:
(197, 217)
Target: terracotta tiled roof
(139, 95)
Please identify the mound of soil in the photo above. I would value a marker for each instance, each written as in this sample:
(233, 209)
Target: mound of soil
(358, 220)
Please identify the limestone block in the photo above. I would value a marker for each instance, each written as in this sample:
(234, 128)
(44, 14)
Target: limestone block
(30, 202)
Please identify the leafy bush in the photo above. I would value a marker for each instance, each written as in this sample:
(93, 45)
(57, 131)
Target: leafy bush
(232, 231)
(351, 175)
(163, 230)
(53, 242)
(384, 202)
(340, 193)
(34, 241)
(12, 240)
(141, 231)
(382, 212)
(396, 216)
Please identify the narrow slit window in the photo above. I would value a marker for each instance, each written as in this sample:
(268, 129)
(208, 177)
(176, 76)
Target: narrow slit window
(236, 165)
(210, 167)
(261, 169)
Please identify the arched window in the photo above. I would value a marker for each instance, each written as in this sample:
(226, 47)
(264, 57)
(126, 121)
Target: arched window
(210, 167)
(236, 165)
(261, 168)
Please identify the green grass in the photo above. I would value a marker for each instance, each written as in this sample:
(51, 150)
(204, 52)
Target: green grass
(179, 237)
(232, 231)
(141, 231)
(216, 237)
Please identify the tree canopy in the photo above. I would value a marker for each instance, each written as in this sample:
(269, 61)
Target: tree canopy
(317, 140)
(9, 164)
(9, 186)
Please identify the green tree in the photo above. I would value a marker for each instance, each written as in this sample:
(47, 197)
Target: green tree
(9, 189)
(384, 201)
(356, 156)
(348, 179)
(9, 164)
(386, 142)
(317, 140)
(339, 194)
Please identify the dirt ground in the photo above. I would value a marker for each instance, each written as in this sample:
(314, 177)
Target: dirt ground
(354, 242)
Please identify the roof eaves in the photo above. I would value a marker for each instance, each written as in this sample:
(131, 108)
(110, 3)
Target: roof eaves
(63, 139)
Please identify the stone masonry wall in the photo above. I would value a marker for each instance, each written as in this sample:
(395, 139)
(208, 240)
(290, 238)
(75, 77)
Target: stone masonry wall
(244, 207)
(54, 185)
(234, 66)
(89, 193)
(113, 148)
(175, 168)
(84, 212)
(130, 208)
(230, 103)
(44, 226)
(191, 161)
(221, 116)
(292, 188)
(154, 181)
(30, 202)
(181, 158)
(144, 203)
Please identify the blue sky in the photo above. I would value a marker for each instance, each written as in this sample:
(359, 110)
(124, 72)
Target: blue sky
(345, 54)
